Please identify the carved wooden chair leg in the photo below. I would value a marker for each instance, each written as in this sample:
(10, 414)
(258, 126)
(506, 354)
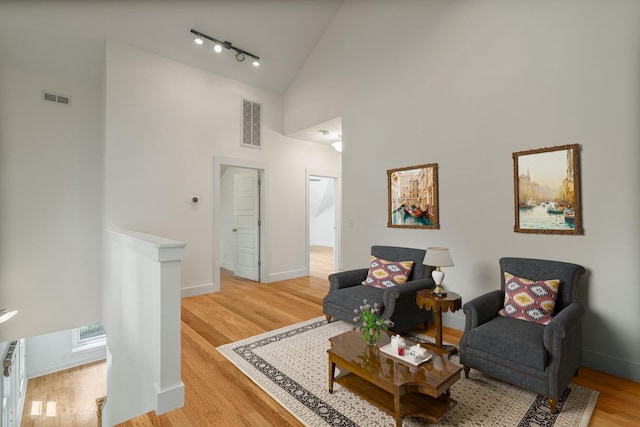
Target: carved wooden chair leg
(328, 318)
(466, 371)
(553, 403)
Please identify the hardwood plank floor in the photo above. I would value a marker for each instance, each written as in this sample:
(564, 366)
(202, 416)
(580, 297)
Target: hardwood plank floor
(65, 398)
(217, 394)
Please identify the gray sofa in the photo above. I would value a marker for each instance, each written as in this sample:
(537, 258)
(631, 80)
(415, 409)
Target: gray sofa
(399, 302)
(541, 358)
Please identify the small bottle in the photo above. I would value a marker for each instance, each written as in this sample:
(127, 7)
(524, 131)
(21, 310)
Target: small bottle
(401, 349)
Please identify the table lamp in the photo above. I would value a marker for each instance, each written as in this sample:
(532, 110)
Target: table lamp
(438, 257)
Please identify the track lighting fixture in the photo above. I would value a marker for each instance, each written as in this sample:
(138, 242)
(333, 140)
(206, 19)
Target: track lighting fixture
(241, 55)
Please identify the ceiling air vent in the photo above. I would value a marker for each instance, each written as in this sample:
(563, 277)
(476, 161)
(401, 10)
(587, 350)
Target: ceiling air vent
(52, 97)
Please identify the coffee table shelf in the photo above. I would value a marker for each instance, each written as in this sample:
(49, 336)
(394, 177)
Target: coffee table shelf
(412, 403)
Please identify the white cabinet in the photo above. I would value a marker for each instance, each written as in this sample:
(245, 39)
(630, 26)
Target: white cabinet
(14, 382)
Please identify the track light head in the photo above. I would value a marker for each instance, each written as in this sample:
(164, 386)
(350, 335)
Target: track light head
(218, 46)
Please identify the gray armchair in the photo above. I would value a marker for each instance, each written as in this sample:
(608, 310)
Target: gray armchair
(541, 358)
(399, 302)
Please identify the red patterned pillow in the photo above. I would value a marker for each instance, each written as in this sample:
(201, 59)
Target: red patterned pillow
(528, 300)
(385, 274)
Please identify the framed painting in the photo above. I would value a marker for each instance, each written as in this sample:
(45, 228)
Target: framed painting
(413, 197)
(547, 190)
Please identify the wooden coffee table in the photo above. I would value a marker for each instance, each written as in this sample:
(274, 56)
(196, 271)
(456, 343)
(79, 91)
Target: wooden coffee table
(394, 386)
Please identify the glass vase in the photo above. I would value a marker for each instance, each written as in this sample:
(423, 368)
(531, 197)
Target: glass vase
(372, 338)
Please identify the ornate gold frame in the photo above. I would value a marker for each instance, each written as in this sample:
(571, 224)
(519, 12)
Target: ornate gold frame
(413, 197)
(547, 190)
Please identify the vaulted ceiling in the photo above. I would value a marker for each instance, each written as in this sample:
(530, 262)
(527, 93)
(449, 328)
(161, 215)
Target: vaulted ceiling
(67, 38)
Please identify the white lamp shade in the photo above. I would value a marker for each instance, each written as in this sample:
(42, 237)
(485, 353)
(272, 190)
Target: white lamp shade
(438, 257)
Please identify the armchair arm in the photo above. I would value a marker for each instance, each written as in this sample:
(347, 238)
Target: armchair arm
(409, 289)
(406, 290)
(562, 324)
(483, 308)
(346, 279)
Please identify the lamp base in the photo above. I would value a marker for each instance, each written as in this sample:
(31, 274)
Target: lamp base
(438, 291)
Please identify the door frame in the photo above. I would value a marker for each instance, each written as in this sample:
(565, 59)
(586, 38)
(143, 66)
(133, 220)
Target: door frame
(337, 180)
(218, 162)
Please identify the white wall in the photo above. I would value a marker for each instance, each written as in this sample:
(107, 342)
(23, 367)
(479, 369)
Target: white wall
(322, 211)
(53, 352)
(51, 165)
(466, 84)
(165, 122)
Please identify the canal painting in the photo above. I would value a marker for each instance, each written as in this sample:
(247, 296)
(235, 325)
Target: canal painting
(547, 190)
(413, 197)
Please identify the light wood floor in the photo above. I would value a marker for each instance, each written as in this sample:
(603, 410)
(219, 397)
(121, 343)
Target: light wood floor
(217, 394)
(65, 398)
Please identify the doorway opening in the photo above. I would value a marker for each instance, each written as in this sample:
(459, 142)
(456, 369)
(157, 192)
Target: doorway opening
(323, 224)
(240, 221)
(237, 219)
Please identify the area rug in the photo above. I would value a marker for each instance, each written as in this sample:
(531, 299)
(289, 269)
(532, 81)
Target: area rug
(290, 364)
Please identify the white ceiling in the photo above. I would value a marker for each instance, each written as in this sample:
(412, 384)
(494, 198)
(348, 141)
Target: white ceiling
(323, 133)
(67, 38)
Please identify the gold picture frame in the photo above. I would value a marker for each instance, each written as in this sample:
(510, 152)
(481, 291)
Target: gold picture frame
(413, 197)
(547, 190)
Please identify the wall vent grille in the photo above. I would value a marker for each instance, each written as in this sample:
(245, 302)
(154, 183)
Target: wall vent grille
(251, 124)
(59, 99)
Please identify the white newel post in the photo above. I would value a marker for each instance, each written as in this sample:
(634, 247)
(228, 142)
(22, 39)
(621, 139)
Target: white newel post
(142, 320)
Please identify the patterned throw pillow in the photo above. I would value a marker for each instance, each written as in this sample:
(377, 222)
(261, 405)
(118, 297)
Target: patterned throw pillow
(528, 300)
(385, 274)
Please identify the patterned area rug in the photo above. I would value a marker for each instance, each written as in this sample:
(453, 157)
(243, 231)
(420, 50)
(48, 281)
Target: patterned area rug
(290, 364)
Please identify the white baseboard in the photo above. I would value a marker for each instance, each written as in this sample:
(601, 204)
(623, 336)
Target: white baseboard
(454, 321)
(611, 365)
(194, 291)
(227, 265)
(286, 275)
(169, 399)
(76, 359)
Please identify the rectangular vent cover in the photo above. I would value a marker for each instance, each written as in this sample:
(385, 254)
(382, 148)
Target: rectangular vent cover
(52, 97)
(251, 124)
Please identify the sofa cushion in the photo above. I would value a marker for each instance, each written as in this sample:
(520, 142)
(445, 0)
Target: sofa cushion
(385, 274)
(519, 342)
(533, 301)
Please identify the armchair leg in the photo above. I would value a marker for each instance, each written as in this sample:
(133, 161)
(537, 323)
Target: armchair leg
(328, 318)
(466, 371)
(552, 404)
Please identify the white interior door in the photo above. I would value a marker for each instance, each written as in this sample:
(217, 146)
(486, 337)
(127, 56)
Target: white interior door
(246, 208)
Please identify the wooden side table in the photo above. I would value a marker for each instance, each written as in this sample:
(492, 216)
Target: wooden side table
(451, 301)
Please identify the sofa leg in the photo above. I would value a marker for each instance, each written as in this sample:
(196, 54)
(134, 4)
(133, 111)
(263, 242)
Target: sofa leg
(466, 371)
(328, 318)
(552, 404)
